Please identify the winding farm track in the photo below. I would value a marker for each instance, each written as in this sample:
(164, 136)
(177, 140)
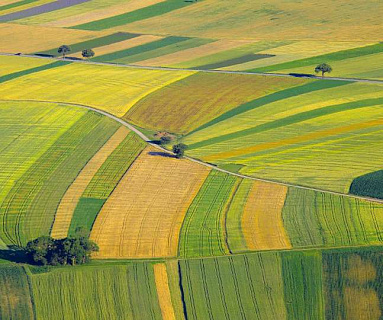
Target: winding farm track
(134, 66)
(149, 141)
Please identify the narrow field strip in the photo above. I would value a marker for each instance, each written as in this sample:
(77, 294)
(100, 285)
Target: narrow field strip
(234, 61)
(137, 15)
(59, 4)
(202, 232)
(176, 58)
(93, 43)
(15, 298)
(93, 15)
(123, 56)
(22, 5)
(163, 291)
(16, 4)
(122, 45)
(294, 140)
(13, 64)
(143, 215)
(72, 196)
(26, 72)
(262, 222)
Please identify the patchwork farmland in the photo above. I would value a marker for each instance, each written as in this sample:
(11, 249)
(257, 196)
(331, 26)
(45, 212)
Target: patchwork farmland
(191, 163)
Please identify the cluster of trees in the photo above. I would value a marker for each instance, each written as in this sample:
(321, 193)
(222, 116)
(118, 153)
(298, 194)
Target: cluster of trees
(68, 251)
(64, 49)
(179, 150)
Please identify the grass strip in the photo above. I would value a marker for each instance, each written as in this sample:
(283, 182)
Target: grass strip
(129, 17)
(18, 74)
(234, 61)
(123, 54)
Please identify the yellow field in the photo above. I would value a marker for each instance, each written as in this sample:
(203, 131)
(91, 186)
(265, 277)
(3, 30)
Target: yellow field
(73, 194)
(360, 271)
(298, 50)
(122, 45)
(163, 292)
(11, 64)
(262, 223)
(190, 54)
(110, 88)
(29, 39)
(143, 216)
(111, 11)
(358, 20)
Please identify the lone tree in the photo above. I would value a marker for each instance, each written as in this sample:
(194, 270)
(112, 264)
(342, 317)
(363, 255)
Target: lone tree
(179, 150)
(72, 250)
(64, 49)
(88, 53)
(323, 67)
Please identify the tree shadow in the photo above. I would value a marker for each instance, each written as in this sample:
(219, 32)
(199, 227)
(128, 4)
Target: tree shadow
(14, 254)
(162, 154)
(302, 75)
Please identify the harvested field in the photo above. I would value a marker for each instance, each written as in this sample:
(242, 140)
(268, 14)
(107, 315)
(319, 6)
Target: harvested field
(262, 222)
(84, 16)
(192, 97)
(203, 230)
(59, 4)
(163, 292)
(143, 215)
(108, 88)
(72, 196)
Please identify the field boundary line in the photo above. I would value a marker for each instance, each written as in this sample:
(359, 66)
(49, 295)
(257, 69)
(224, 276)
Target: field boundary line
(136, 66)
(212, 166)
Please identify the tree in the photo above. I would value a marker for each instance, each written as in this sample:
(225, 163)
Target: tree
(88, 53)
(179, 150)
(64, 49)
(165, 139)
(323, 67)
(73, 250)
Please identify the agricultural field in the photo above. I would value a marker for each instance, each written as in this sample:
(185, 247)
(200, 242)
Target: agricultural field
(275, 211)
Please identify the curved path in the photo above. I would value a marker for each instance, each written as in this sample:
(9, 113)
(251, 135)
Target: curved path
(149, 141)
(198, 70)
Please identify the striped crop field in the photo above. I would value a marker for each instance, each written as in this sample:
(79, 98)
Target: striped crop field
(328, 126)
(34, 184)
(15, 299)
(112, 292)
(143, 215)
(322, 219)
(12, 64)
(104, 181)
(191, 97)
(112, 89)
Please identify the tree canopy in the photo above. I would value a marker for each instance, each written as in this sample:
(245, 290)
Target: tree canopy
(64, 49)
(72, 250)
(88, 53)
(179, 150)
(323, 67)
